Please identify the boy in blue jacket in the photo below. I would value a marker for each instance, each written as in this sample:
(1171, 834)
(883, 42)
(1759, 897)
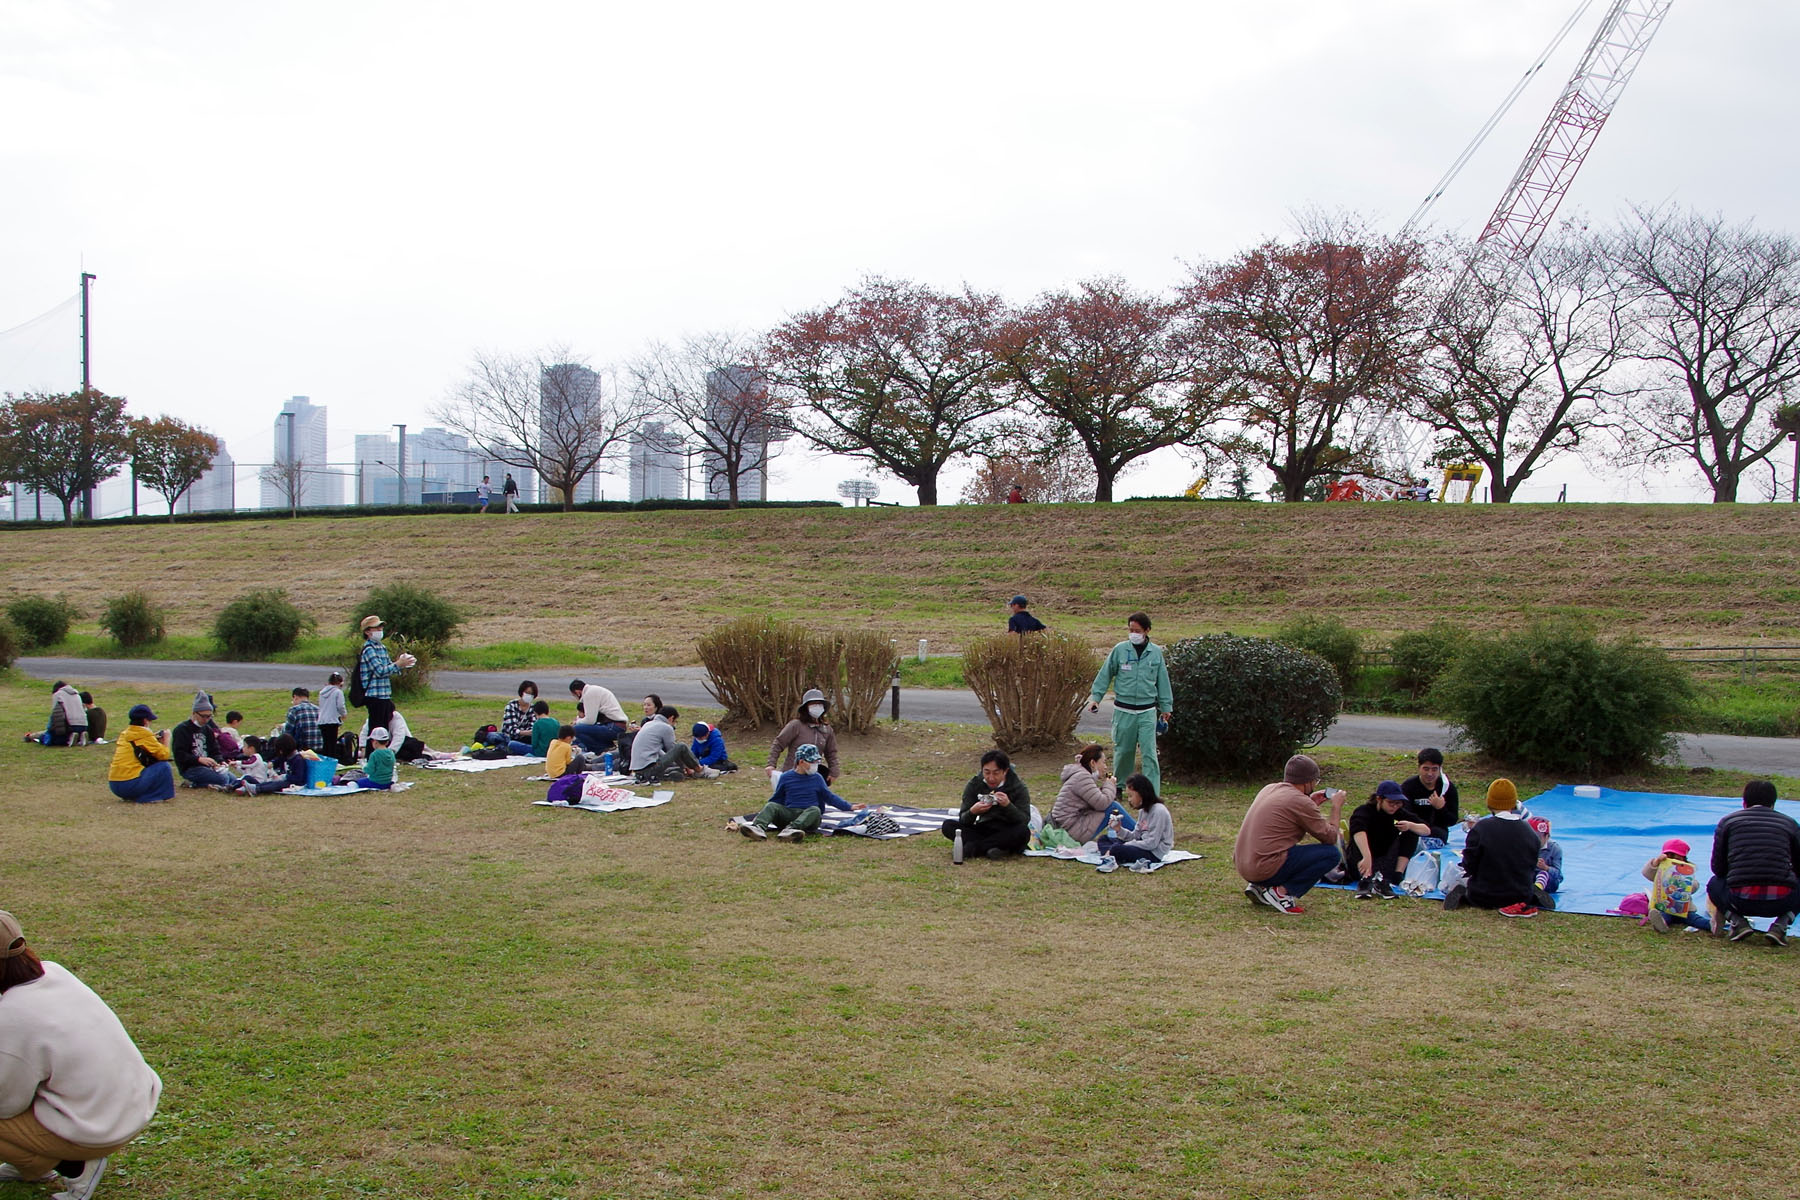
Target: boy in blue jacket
(798, 803)
(709, 747)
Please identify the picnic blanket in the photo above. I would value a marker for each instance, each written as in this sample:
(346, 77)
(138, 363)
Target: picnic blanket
(612, 800)
(338, 789)
(1092, 857)
(483, 764)
(608, 780)
(912, 821)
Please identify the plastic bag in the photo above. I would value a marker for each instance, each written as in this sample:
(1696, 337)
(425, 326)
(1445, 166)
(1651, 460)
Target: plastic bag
(1450, 872)
(1423, 872)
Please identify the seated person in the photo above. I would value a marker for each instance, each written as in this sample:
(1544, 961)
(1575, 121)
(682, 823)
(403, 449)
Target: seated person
(231, 737)
(1674, 887)
(67, 724)
(1549, 876)
(1155, 832)
(808, 728)
(1087, 799)
(798, 803)
(1272, 855)
(140, 769)
(599, 721)
(1756, 867)
(1384, 835)
(1022, 621)
(1433, 795)
(1500, 860)
(562, 759)
(195, 745)
(96, 718)
(708, 748)
(544, 729)
(284, 767)
(515, 721)
(996, 811)
(378, 769)
(657, 755)
(303, 720)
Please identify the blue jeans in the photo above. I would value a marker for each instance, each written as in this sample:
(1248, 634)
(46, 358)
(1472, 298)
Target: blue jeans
(1693, 920)
(1123, 853)
(598, 738)
(207, 777)
(155, 782)
(1304, 866)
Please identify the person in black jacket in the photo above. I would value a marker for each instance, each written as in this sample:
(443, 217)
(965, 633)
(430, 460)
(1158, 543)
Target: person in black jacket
(1500, 860)
(995, 819)
(1756, 867)
(1384, 835)
(1432, 793)
(195, 745)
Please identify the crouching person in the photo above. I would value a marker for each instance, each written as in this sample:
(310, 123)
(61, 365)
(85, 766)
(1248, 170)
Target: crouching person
(656, 755)
(996, 812)
(140, 770)
(798, 803)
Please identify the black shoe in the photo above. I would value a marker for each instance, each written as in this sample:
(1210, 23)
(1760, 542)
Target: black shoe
(1365, 888)
(1453, 899)
(1777, 933)
(996, 853)
(1384, 889)
(1737, 928)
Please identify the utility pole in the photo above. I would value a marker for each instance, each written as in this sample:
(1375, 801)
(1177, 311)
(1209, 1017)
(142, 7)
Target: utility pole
(402, 467)
(87, 382)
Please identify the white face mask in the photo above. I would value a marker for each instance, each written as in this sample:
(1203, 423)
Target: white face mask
(1136, 639)
(815, 711)
(377, 636)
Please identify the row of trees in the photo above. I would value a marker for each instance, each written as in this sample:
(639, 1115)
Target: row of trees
(1673, 337)
(67, 444)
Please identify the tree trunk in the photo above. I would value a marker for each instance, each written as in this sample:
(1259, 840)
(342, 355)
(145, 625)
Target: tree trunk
(1103, 485)
(1725, 488)
(731, 482)
(928, 490)
(68, 510)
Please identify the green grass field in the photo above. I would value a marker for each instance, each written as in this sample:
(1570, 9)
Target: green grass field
(450, 993)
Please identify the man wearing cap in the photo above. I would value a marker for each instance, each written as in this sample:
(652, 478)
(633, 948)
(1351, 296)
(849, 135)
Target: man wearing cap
(1384, 835)
(1756, 866)
(377, 669)
(1022, 621)
(140, 771)
(1139, 679)
(797, 804)
(195, 746)
(1272, 855)
(74, 1089)
(1500, 860)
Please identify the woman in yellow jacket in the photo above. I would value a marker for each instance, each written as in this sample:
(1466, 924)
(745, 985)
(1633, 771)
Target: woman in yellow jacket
(140, 762)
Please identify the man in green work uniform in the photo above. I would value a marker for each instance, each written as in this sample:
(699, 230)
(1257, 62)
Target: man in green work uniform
(1139, 679)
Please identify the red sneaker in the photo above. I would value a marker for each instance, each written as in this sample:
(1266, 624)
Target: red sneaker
(1518, 910)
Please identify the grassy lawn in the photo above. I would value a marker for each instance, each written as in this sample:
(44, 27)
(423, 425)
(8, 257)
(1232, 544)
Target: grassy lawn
(451, 993)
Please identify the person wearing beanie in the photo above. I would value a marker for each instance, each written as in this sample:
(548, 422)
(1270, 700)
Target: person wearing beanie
(1500, 860)
(1272, 855)
(74, 1089)
(195, 745)
(1138, 675)
(1021, 620)
(708, 748)
(1674, 890)
(140, 770)
(808, 728)
(1384, 835)
(1755, 867)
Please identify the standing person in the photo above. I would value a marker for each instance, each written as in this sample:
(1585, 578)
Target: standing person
(1021, 621)
(1015, 495)
(1756, 867)
(195, 745)
(511, 490)
(1154, 835)
(995, 819)
(1271, 855)
(483, 494)
(140, 771)
(74, 1087)
(302, 720)
(332, 711)
(808, 728)
(1500, 860)
(377, 670)
(599, 721)
(1139, 679)
(1432, 793)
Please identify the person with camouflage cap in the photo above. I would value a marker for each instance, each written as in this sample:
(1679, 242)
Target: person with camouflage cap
(798, 803)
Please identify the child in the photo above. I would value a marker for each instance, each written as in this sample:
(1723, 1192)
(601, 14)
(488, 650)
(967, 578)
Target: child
(709, 748)
(1673, 885)
(544, 729)
(1153, 837)
(378, 770)
(284, 767)
(798, 803)
(231, 738)
(1549, 864)
(96, 719)
(303, 720)
(332, 711)
(561, 758)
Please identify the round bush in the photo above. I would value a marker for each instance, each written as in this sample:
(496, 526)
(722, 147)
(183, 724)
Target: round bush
(1557, 698)
(133, 619)
(1032, 686)
(1423, 655)
(260, 623)
(410, 612)
(40, 621)
(9, 643)
(1245, 704)
(1330, 639)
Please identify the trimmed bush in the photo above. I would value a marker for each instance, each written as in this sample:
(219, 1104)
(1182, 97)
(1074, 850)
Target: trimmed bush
(9, 643)
(758, 668)
(1330, 639)
(1557, 698)
(260, 623)
(1245, 704)
(133, 619)
(1032, 686)
(1423, 655)
(411, 612)
(40, 621)
(415, 681)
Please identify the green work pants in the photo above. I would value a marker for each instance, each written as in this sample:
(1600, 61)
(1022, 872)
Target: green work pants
(780, 816)
(1134, 733)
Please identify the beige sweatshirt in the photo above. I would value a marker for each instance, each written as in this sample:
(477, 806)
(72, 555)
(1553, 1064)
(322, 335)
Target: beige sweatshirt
(66, 1057)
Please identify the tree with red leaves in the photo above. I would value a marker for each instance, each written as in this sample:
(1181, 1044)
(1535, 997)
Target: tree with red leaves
(169, 456)
(897, 374)
(64, 444)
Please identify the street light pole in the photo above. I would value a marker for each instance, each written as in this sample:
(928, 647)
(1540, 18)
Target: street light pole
(402, 466)
(87, 383)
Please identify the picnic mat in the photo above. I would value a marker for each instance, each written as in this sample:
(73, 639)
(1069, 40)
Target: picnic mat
(483, 764)
(613, 800)
(608, 780)
(912, 821)
(338, 789)
(1092, 857)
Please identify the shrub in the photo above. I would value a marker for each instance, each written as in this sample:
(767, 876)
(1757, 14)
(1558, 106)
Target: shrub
(39, 621)
(416, 680)
(133, 619)
(1330, 639)
(865, 664)
(9, 643)
(260, 623)
(410, 612)
(1032, 686)
(1245, 704)
(1421, 656)
(758, 668)
(1557, 698)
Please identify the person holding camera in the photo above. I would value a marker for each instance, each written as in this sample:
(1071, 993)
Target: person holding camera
(140, 770)
(1271, 854)
(996, 811)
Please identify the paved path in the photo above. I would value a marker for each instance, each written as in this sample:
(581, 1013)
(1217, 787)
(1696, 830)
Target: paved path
(686, 685)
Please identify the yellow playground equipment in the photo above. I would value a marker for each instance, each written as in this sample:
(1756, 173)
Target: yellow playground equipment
(1198, 488)
(1469, 473)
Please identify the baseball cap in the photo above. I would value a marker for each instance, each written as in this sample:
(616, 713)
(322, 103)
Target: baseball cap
(1541, 827)
(140, 712)
(378, 735)
(808, 753)
(1389, 790)
(12, 938)
(1021, 601)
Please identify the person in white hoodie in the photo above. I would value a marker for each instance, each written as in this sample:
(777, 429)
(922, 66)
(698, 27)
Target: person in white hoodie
(68, 723)
(74, 1089)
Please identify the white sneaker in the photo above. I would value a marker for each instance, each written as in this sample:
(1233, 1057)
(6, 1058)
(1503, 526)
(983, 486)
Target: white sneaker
(752, 830)
(791, 834)
(710, 772)
(1108, 865)
(1142, 866)
(82, 1187)
(12, 1174)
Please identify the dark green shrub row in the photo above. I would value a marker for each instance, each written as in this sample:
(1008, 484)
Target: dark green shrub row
(260, 623)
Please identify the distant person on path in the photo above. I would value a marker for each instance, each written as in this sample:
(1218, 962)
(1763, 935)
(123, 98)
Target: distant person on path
(140, 770)
(1500, 860)
(332, 711)
(1015, 495)
(511, 490)
(797, 804)
(599, 721)
(1384, 835)
(808, 728)
(1432, 793)
(1155, 832)
(195, 745)
(1272, 855)
(377, 670)
(1022, 621)
(1674, 889)
(1756, 867)
(302, 720)
(68, 720)
(1087, 799)
(995, 820)
(96, 718)
(483, 494)
(1139, 679)
(73, 1086)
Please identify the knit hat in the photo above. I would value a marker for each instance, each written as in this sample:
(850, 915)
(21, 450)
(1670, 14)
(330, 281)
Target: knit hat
(378, 735)
(1541, 827)
(12, 938)
(1300, 769)
(1502, 796)
(1389, 790)
(808, 753)
(203, 702)
(140, 712)
(1676, 846)
(700, 729)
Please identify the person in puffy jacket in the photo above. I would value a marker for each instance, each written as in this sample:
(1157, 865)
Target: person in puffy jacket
(1088, 797)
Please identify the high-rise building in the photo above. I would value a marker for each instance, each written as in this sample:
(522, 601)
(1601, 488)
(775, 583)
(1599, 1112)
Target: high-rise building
(378, 469)
(657, 459)
(737, 415)
(568, 403)
(300, 445)
(215, 491)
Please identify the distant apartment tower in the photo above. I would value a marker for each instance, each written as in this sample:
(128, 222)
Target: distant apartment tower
(568, 397)
(215, 491)
(656, 464)
(300, 437)
(737, 415)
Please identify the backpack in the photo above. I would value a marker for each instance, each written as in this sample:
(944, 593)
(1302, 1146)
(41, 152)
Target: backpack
(566, 790)
(353, 694)
(489, 753)
(348, 750)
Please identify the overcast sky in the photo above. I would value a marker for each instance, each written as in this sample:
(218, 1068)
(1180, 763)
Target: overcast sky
(345, 199)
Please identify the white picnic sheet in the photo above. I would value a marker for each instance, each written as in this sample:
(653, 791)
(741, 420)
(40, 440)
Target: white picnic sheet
(617, 801)
(608, 780)
(1087, 854)
(338, 789)
(479, 764)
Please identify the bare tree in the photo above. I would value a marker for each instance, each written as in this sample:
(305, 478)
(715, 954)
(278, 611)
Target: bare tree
(1719, 310)
(714, 387)
(1515, 378)
(287, 475)
(549, 413)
